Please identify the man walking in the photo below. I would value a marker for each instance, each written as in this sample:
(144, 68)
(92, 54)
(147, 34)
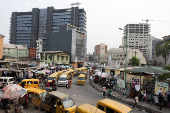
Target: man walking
(104, 91)
(110, 91)
(160, 97)
(136, 102)
(124, 93)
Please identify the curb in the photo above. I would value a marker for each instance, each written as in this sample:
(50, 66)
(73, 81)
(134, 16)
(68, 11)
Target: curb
(150, 110)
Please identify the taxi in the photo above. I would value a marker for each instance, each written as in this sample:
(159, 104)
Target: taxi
(58, 102)
(38, 95)
(81, 80)
(87, 108)
(110, 106)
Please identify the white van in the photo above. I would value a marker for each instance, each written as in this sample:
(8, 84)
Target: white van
(62, 81)
(8, 80)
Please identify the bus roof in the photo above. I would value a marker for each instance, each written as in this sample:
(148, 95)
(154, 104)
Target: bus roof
(89, 108)
(58, 94)
(36, 90)
(116, 105)
(81, 75)
(30, 80)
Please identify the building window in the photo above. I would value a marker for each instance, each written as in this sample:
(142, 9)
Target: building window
(45, 57)
(42, 57)
(50, 57)
(66, 58)
(58, 57)
(62, 58)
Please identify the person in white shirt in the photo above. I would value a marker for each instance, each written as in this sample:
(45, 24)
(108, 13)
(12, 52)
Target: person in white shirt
(136, 102)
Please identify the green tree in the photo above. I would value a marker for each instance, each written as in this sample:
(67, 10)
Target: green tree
(165, 76)
(163, 50)
(135, 61)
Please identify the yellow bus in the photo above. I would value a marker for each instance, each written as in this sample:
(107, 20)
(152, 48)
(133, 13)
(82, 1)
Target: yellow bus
(81, 80)
(110, 106)
(87, 108)
(36, 95)
(58, 102)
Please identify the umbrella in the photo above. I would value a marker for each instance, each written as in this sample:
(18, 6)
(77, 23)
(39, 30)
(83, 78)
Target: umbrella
(97, 73)
(52, 67)
(104, 75)
(40, 73)
(12, 91)
(150, 70)
(46, 71)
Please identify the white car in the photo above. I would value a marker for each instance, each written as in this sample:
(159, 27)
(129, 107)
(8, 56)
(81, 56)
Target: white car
(62, 81)
(8, 80)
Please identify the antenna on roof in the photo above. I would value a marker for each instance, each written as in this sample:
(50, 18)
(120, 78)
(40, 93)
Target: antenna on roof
(77, 3)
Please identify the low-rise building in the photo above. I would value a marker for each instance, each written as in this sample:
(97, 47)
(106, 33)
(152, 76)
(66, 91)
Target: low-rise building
(32, 52)
(15, 51)
(1, 45)
(55, 57)
(119, 55)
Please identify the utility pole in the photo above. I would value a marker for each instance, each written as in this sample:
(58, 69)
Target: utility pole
(125, 57)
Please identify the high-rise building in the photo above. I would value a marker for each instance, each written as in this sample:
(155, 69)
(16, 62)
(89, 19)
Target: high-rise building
(27, 27)
(69, 39)
(99, 52)
(138, 37)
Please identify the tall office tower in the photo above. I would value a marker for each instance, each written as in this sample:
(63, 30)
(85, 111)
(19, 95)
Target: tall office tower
(138, 37)
(27, 27)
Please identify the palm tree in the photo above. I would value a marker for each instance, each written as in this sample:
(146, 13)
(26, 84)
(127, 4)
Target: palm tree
(165, 76)
(163, 50)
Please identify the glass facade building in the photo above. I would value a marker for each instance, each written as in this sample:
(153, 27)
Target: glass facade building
(27, 27)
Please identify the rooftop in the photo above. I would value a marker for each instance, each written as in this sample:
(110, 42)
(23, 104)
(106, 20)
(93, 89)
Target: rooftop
(52, 52)
(2, 35)
(14, 46)
(118, 51)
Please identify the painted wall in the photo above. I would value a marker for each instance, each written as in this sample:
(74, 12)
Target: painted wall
(138, 55)
(60, 61)
(23, 53)
(1, 47)
(129, 76)
(12, 52)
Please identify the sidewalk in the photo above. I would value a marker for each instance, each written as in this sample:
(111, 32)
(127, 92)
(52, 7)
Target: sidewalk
(143, 105)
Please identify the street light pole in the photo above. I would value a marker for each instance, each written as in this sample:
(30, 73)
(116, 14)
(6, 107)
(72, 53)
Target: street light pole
(125, 58)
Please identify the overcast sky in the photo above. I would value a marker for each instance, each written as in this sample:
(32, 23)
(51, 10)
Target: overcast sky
(104, 17)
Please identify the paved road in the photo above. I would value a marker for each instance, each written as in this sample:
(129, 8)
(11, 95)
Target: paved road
(80, 95)
(86, 94)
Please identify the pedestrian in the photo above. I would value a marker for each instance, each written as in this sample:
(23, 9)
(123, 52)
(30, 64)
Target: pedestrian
(136, 102)
(104, 91)
(67, 83)
(110, 92)
(20, 79)
(160, 97)
(91, 78)
(124, 93)
(42, 85)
